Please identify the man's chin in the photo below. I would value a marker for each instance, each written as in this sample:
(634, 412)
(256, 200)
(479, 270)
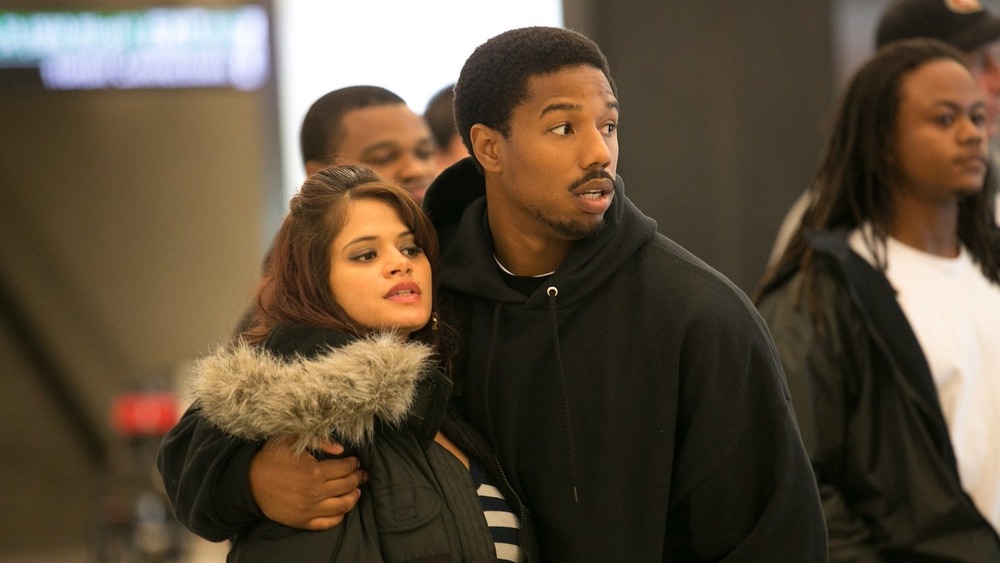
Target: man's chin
(968, 191)
(578, 231)
(417, 192)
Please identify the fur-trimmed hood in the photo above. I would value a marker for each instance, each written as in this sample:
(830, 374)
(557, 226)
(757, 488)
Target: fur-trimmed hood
(254, 394)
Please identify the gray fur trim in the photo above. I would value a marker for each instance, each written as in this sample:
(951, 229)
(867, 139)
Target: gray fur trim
(252, 394)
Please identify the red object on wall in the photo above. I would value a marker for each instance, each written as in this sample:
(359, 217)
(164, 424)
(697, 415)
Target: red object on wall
(144, 414)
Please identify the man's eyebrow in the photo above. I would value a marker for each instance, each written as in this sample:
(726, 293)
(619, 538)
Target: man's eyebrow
(566, 106)
(563, 106)
(953, 105)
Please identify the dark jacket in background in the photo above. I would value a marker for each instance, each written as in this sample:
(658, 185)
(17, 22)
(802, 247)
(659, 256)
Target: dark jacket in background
(379, 395)
(870, 418)
(635, 399)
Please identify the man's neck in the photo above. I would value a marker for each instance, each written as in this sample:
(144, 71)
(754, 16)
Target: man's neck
(523, 257)
(524, 254)
(931, 229)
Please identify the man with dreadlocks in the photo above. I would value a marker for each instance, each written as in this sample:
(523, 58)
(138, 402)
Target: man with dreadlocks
(885, 309)
(966, 25)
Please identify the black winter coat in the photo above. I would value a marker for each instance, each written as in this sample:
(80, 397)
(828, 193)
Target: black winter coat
(379, 396)
(870, 418)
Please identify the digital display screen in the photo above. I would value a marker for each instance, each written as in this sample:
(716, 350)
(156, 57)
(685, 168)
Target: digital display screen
(148, 48)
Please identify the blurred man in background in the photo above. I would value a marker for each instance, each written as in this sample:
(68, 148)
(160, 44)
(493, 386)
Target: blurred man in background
(963, 24)
(372, 126)
(440, 116)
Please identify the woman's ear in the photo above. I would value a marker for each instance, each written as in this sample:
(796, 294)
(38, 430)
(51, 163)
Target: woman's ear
(486, 145)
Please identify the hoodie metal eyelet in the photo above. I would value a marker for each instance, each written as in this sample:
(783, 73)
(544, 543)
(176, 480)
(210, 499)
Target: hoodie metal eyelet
(552, 291)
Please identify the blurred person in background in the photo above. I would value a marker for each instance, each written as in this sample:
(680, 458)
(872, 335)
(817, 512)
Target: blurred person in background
(963, 24)
(440, 116)
(372, 126)
(885, 309)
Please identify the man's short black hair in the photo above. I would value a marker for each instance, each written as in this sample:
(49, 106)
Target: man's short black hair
(319, 137)
(440, 115)
(494, 79)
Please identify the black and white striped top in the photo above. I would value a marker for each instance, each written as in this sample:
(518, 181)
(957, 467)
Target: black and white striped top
(503, 521)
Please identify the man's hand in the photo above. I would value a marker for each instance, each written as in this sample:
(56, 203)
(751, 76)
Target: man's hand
(301, 492)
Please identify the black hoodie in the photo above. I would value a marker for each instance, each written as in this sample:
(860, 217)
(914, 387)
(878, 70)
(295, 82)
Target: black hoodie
(635, 399)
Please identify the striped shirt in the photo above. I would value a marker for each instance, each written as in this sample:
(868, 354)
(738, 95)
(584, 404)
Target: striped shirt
(503, 521)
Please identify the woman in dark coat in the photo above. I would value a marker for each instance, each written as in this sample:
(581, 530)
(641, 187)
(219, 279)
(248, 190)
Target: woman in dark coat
(345, 345)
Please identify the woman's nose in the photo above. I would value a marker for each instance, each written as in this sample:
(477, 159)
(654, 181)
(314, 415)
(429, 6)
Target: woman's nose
(400, 264)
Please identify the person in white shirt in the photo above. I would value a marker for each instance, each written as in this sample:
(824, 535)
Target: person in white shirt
(885, 309)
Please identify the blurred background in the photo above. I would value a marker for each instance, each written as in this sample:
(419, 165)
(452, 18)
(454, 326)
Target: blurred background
(140, 184)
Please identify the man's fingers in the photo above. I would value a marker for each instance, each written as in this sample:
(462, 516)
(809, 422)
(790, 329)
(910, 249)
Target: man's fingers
(342, 476)
(333, 509)
(332, 448)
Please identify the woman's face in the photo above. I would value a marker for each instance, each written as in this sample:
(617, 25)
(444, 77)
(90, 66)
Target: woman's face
(940, 145)
(378, 274)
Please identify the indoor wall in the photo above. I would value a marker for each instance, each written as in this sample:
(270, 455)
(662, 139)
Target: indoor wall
(132, 224)
(722, 104)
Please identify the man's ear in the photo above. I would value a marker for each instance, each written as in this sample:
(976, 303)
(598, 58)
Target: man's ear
(486, 145)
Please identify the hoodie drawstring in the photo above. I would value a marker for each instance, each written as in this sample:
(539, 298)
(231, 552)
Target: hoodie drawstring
(489, 415)
(553, 292)
(489, 373)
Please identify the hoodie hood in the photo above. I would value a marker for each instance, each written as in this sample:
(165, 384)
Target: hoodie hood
(456, 203)
(254, 394)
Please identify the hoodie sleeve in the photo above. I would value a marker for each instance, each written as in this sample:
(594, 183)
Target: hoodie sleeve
(200, 464)
(740, 447)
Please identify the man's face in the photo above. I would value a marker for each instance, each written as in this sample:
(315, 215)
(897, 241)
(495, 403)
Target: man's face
(985, 65)
(556, 168)
(393, 141)
(939, 147)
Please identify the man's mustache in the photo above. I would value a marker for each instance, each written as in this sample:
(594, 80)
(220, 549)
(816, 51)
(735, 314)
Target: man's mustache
(594, 175)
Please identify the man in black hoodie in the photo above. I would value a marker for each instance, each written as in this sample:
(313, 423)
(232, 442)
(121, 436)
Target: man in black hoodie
(631, 393)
